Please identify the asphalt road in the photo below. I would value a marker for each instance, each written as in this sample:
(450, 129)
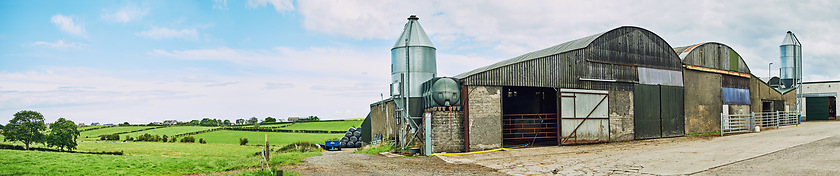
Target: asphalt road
(820, 157)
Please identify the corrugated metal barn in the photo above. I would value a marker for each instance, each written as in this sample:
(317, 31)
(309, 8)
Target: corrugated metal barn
(719, 83)
(619, 85)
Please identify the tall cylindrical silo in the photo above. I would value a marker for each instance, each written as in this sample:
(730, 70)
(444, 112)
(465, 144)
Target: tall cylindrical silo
(791, 56)
(412, 63)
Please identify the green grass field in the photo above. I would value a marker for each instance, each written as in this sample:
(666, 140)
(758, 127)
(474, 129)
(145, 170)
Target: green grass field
(141, 158)
(89, 127)
(169, 131)
(94, 134)
(328, 125)
(222, 153)
(274, 138)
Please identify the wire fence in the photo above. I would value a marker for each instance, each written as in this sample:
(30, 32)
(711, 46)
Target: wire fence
(742, 123)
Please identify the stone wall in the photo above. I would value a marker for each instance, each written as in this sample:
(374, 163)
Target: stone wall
(485, 117)
(447, 131)
(621, 115)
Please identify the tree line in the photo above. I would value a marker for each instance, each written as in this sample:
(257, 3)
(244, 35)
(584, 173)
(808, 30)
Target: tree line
(28, 127)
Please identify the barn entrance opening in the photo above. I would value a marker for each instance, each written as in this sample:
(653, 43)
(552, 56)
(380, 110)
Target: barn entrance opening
(529, 116)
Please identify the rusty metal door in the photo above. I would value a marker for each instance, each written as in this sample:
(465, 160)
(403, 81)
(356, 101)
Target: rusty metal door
(584, 116)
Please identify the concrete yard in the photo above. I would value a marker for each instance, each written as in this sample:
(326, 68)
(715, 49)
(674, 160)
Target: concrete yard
(708, 155)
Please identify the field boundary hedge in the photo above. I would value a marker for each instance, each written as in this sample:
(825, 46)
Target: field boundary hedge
(17, 147)
(126, 132)
(270, 129)
(285, 130)
(96, 128)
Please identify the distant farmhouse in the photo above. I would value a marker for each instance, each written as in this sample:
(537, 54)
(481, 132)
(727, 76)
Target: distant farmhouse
(170, 122)
(293, 119)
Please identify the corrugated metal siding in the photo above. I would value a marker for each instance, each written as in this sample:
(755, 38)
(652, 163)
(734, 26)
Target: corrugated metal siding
(735, 81)
(735, 96)
(714, 55)
(654, 76)
(632, 46)
(612, 56)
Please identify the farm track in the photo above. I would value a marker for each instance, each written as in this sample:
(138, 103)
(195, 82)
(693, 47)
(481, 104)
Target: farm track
(346, 163)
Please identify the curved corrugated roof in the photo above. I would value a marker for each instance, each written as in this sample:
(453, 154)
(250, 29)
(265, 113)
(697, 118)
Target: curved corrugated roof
(414, 33)
(556, 49)
(684, 52)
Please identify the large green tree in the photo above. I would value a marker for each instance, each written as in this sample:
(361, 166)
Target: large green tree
(63, 133)
(25, 127)
(269, 119)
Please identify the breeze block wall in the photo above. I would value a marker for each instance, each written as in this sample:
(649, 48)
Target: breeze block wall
(447, 130)
(485, 117)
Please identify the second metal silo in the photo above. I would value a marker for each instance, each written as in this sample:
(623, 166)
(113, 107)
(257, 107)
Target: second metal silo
(791, 57)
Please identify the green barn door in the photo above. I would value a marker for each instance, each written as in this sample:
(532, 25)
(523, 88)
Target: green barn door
(673, 115)
(659, 111)
(816, 108)
(646, 107)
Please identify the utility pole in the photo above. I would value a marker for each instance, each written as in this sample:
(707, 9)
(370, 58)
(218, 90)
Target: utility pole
(769, 72)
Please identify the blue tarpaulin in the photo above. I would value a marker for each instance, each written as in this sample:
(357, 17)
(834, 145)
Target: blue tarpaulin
(735, 96)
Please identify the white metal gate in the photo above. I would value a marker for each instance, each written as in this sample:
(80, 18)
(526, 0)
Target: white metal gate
(584, 116)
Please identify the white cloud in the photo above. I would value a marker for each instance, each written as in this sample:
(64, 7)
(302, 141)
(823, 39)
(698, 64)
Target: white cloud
(66, 24)
(272, 85)
(158, 33)
(512, 29)
(360, 63)
(220, 4)
(279, 5)
(57, 44)
(125, 14)
(92, 95)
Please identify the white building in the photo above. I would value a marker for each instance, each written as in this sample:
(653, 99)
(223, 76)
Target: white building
(820, 100)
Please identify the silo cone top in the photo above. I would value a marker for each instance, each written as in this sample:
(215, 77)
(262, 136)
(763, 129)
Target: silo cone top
(414, 33)
(790, 39)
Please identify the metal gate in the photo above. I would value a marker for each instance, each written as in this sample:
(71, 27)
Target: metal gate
(659, 111)
(584, 116)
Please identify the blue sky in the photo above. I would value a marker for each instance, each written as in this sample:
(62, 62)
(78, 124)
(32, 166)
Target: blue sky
(143, 61)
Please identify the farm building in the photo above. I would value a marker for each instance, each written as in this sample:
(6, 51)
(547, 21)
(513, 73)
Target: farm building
(624, 84)
(619, 85)
(820, 100)
(718, 81)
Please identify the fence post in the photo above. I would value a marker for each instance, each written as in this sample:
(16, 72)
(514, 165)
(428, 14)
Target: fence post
(752, 122)
(721, 124)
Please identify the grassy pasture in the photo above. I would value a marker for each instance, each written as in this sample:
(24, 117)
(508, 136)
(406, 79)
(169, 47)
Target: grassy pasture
(94, 134)
(169, 131)
(274, 138)
(222, 153)
(141, 158)
(327, 125)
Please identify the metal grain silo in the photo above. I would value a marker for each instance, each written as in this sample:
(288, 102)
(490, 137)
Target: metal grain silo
(791, 55)
(412, 63)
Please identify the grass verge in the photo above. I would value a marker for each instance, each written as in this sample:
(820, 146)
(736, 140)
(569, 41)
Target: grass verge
(376, 149)
(695, 134)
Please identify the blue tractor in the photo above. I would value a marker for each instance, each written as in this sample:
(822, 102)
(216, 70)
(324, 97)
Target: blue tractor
(332, 145)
